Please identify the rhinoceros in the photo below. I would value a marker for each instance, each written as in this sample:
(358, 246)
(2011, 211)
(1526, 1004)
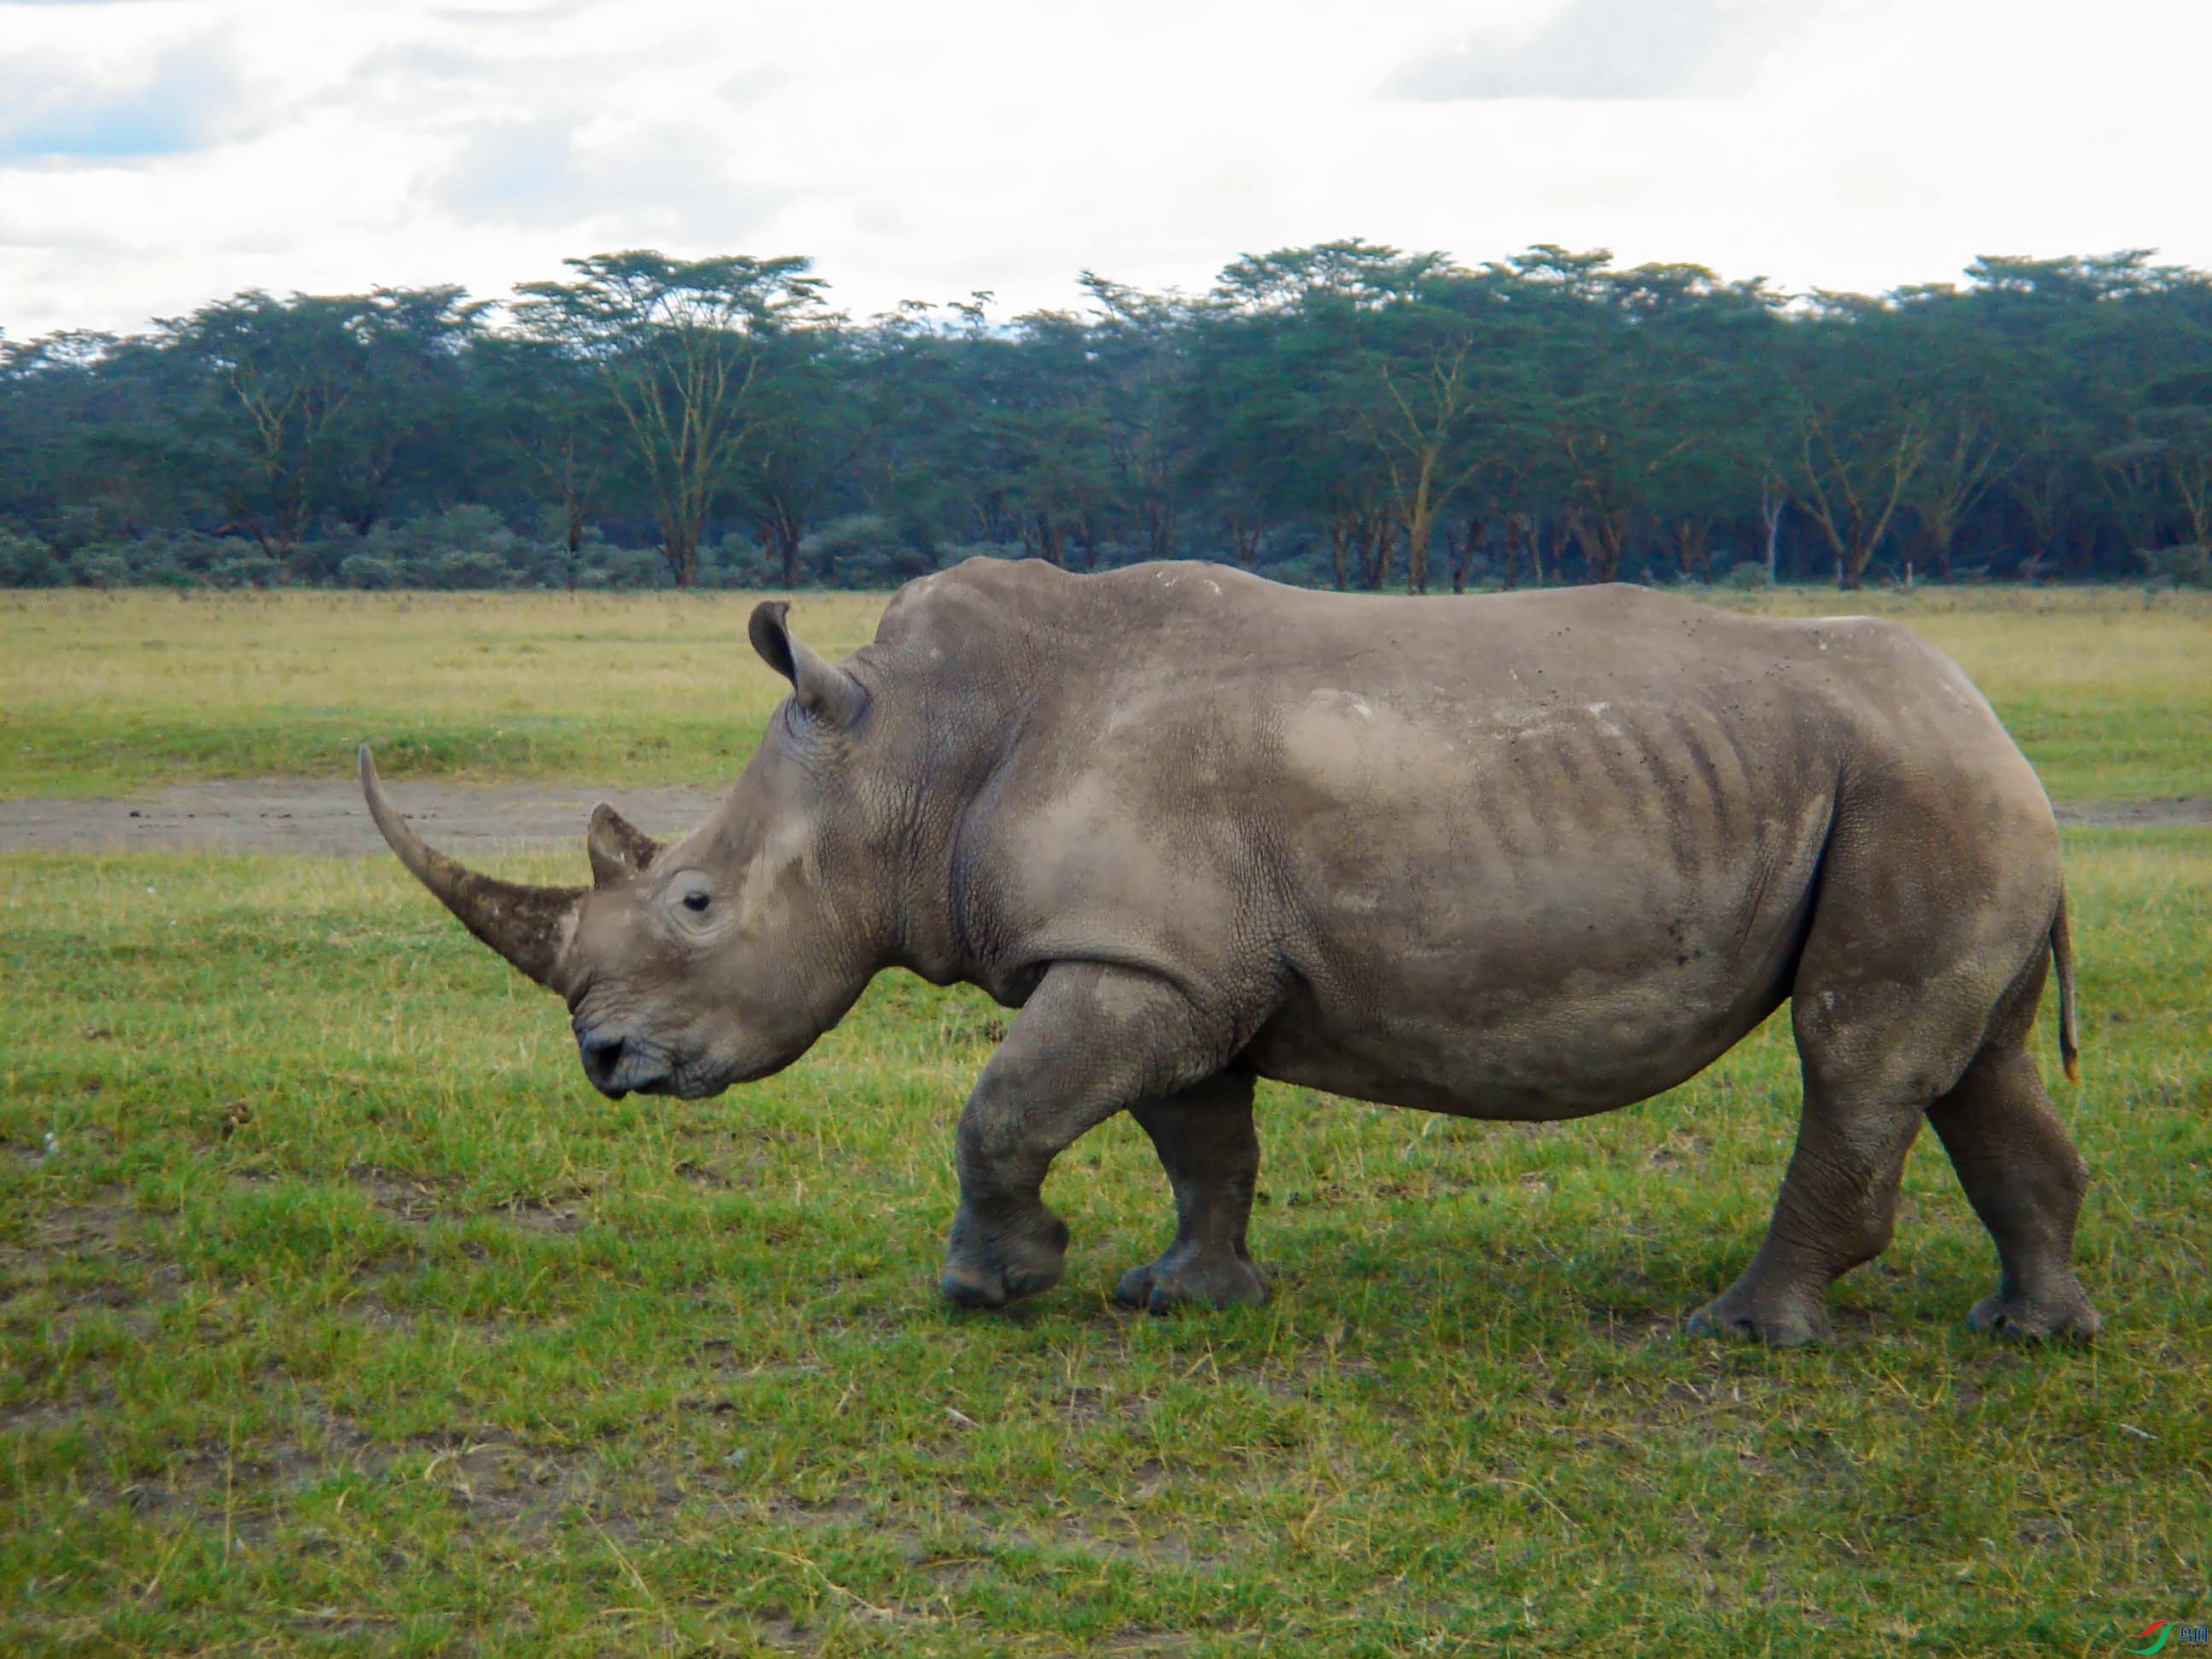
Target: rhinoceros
(1520, 857)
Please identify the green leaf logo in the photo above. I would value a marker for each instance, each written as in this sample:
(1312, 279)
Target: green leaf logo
(2158, 1624)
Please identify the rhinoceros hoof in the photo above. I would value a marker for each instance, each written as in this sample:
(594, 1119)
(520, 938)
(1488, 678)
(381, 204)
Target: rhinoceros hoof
(1214, 1281)
(1778, 1325)
(2023, 1319)
(987, 1270)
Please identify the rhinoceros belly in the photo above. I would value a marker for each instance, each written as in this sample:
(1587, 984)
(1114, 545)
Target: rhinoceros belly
(1540, 917)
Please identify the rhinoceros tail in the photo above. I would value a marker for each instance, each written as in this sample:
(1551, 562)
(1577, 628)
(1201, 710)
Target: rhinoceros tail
(2061, 957)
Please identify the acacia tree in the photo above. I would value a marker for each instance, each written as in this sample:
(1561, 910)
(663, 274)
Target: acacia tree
(1293, 355)
(275, 379)
(1857, 431)
(1702, 345)
(410, 432)
(679, 346)
(2158, 470)
(1255, 446)
(1038, 409)
(908, 376)
(556, 419)
(1140, 343)
(1329, 408)
(1970, 435)
(1600, 389)
(807, 432)
(2160, 478)
(1427, 405)
(89, 428)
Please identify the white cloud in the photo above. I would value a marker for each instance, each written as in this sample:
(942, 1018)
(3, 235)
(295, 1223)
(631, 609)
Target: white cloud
(59, 108)
(332, 144)
(1608, 49)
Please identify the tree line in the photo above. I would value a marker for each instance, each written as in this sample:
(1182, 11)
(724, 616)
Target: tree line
(1345, 414)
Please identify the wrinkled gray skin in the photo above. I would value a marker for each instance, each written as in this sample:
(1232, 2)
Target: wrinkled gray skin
(1523, 857)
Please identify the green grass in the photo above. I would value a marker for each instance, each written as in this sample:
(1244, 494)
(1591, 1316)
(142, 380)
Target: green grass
(2107, 689)
(341, 1317)
(107, 693)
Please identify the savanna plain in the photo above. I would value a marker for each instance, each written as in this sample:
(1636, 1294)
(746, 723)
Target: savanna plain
(338, 1314)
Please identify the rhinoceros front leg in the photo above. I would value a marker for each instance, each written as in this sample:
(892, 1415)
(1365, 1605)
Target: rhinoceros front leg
(1211, 1153)
(1092, 1040)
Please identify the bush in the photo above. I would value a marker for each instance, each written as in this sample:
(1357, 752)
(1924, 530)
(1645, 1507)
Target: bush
(737, 561)
(463, 546)
(2187, 566)
(321, 562)
(188, 558)
(27, 562)
(472, 567)
(237, 564)
(629, 569)
(371, 571)
(553, 564)
(864, 550)
(1748, 574)
(101, 565)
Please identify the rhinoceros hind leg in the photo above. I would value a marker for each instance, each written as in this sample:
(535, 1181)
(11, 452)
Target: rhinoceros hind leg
(1837, 1209)
(1222, 1282)
(1207, 1145)
(1929, 937)
(2025, 1181)
(1875, 1052)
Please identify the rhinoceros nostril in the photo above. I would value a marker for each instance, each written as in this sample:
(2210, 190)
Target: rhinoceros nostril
(602, 1057)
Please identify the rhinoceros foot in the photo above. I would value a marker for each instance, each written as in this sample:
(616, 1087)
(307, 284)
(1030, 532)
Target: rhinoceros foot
(1778, 1321)
(1219, 1280)
(988, 1266)
(2063, 1316)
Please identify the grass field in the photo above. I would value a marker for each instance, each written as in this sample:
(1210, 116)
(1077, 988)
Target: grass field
(2107, 689)
(336, 1314)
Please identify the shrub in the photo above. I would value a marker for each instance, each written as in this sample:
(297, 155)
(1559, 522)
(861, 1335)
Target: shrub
(863, 550)
(27, 562)
(737, 561)
(236, 564)
(470, 566)
(1748, 574)
(321, 562)
(370, 570)
(553, 566)
(628, 569)
(462, 546)
(101, 565)
(2187, 566)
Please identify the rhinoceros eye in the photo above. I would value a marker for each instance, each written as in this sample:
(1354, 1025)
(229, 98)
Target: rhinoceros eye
(694, 890)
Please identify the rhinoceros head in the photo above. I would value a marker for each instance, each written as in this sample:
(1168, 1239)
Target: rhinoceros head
(718, 957)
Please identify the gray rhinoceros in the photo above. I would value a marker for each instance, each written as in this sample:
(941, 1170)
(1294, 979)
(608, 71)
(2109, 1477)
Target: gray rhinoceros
(1520, 857)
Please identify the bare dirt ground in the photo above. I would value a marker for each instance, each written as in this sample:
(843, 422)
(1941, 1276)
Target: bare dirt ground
(325, 817)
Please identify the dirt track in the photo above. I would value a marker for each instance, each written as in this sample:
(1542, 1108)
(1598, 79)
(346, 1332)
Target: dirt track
(325, 817)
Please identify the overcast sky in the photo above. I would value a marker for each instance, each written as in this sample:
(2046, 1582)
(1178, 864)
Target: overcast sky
(154, 154)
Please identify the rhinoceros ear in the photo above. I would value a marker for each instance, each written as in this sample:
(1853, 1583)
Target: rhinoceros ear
(823, 690)
(619, 849)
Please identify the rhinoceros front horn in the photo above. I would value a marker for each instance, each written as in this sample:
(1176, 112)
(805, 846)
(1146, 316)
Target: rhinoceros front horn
(528, 926)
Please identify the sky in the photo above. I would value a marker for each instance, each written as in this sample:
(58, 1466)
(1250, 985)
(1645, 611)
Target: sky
(158, 153)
